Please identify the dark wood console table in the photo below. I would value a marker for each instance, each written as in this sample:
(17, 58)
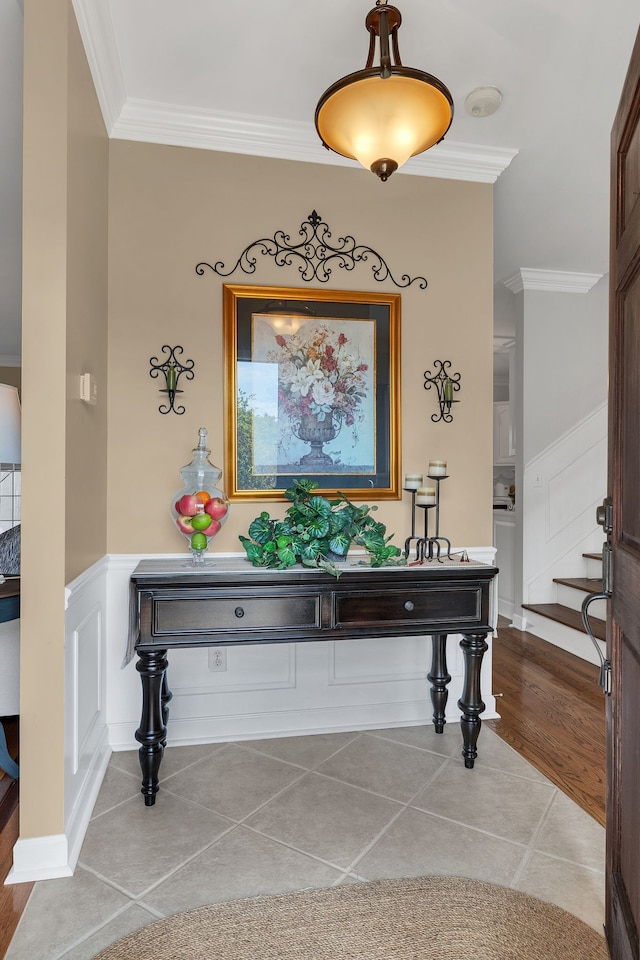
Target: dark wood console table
(174, 604)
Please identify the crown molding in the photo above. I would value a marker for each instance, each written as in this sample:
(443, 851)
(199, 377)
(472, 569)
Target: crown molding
(127, 118)
(99, 40)
(462, 161)
(551, 281)
(174, 125)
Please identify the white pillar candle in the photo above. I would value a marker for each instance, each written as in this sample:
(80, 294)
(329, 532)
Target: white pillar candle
(426, 496)
(437, 468)
(413, 480)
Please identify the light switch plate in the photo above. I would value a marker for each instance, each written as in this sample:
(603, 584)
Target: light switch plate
(88, 388)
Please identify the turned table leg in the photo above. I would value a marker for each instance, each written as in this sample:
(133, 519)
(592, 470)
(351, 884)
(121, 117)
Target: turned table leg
(165, 699)
(439, 677)
(152, 732)
(473, 647)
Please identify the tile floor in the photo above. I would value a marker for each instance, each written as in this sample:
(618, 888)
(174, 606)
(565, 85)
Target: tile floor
(269, 816)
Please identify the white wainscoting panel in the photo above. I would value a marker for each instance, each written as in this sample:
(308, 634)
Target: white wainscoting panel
(255, 668)
(87, 749)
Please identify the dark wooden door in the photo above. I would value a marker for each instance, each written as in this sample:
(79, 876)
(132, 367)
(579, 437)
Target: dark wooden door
(623, 625)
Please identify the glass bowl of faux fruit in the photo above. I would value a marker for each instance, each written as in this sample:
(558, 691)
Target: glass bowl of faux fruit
(200, 508)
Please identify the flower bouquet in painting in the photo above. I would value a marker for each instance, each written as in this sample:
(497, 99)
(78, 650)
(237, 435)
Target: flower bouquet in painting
(323, 383)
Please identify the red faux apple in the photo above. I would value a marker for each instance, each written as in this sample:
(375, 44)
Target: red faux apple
(216, 508)
(184, 525)
(212, 529)
(188, 505)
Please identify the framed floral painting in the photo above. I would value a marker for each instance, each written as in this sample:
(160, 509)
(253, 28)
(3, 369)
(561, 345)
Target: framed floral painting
(312, 390)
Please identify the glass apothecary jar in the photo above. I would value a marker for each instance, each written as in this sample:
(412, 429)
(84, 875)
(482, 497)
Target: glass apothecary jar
(200, 507)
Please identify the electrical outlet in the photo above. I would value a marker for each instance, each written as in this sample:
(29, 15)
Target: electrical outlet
(217, 659)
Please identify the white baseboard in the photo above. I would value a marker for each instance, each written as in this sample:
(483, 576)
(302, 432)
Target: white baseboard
(40, 858)
(519, 622)
(189, 731)
(573, 641)
(77, 824)
(506, 608)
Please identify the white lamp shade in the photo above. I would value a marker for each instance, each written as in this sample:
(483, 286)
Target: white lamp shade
(9, 424)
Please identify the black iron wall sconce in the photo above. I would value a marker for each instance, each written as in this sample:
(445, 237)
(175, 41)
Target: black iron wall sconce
(171, 369)
(446, 385)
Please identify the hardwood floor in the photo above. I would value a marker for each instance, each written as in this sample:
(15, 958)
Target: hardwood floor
(552, 713)
(13, 899)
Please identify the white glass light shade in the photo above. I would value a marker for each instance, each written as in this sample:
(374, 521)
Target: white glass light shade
(9, 424)
(394, 118)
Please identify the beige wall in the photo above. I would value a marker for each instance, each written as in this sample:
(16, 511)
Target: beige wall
(86, 341)
(171, 208)
(63, 327)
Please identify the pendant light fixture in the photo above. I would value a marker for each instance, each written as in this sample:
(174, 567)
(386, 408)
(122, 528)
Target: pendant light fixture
(385, 114)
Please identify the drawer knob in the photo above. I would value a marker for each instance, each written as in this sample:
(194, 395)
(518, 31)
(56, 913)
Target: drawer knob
(239, 612)
(409, 605)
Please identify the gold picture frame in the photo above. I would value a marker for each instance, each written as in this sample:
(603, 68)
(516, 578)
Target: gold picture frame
(312, 390)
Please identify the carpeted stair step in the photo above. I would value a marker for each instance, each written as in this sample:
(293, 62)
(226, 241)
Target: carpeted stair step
(567, 617)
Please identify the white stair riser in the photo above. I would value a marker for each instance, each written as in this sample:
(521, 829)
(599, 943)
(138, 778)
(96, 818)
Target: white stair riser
(593, 568)
(573, 641)
(570, 597)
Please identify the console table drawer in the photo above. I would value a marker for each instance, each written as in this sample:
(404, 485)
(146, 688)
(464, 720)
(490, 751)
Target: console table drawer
(419, 606)
(237, 614)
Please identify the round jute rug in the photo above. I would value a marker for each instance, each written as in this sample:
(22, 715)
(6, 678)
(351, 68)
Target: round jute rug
(428, 918)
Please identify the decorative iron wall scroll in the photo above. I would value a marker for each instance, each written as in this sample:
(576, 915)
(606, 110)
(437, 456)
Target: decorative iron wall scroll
(315, 255)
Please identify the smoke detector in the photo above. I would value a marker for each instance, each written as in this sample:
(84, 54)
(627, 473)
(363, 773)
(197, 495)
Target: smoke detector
(483, 101)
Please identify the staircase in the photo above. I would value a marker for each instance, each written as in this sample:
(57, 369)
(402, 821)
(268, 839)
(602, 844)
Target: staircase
(561, 622)
(561, 541)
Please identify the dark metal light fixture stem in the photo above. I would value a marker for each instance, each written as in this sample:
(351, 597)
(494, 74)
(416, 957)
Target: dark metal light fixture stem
(385, 58)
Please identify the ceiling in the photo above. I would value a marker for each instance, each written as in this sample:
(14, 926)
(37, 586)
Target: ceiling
(244, 76)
